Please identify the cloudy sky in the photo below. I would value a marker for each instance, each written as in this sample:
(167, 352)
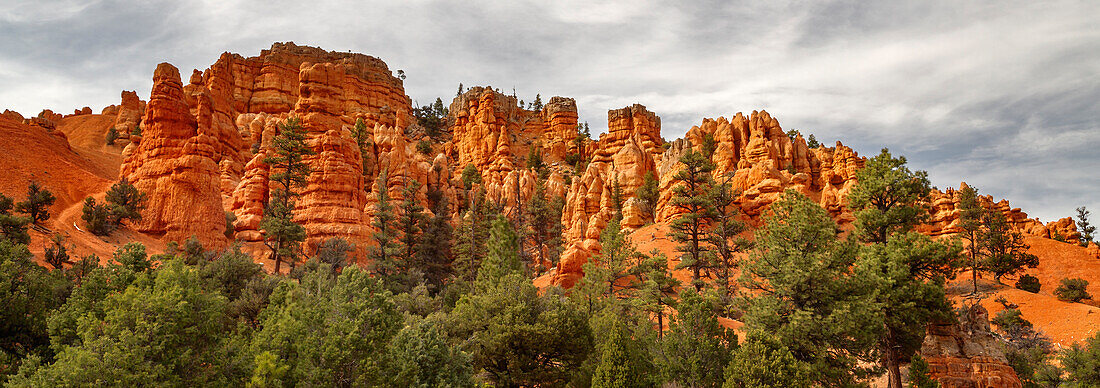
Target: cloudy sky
(1004, 95)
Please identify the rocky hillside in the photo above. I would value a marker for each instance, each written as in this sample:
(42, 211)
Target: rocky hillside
(197, 149)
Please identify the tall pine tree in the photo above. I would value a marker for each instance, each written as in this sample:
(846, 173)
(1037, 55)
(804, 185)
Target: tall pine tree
(690, 199)
(289, 171)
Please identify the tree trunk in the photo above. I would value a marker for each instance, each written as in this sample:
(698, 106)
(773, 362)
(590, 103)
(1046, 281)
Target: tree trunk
(893, 370)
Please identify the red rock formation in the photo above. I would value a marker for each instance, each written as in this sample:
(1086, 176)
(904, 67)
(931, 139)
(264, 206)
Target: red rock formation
(622, 156)
(967, 355)
(173, 163)
(130, 112)
(944, 218)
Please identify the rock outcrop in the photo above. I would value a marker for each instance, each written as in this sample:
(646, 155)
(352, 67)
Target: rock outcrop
(966, 354)
(174, 164)
(944, 217)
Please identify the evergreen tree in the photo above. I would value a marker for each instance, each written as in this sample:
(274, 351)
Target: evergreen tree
(516, 336)
(125, 202)
(385, 262)
(812, 143)
(545, 232)
(801, 288)
(97, 217)
(57, 254)
(472, 236)
(763, 362)
(1073, 290)
(37, 205)
(1005, 250)
(12, 228)
(621, 358)
(1084, 226)
(970, 224)
(329, 331)
(29, 293)
(724, 237)
(690, 199)
(614, 272)
(659, 288)
(647, 195)
(434, 257)
(423, 358)
(696, 349)
(709, 146)
(410, 219)
(905, 268)
(289, 171)
(1082, 362)
(460, 90)
(919, 375)
(111, 136)
(362, 134)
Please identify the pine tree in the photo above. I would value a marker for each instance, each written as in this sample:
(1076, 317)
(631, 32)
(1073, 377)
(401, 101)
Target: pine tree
(919, 376)
(1083, 226)
(614, 272)
(812, 143)
(111, 136)
(384, 256)
(12, 227)
(410, 219)
(57, 254)
(763, 362)
(724, 237)
(460, 90)
(696, 211)
(617, 199)
(125, 202)
(433, 256)
(289, 171)
(472, 236)
(801, 288)
(362, 134)
(696, 349)
(37, 204)
(647, 195)
(659, 287)
(899, 262)
(545, 233)
(1004, 248)
(97, 217)
(970, 224)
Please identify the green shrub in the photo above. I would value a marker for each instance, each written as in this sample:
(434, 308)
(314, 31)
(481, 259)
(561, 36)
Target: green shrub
(1029, 283)
(424, 147)
(112, 135)
(1073, 290)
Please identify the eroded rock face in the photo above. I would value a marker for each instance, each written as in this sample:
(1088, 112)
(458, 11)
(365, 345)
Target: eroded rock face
(129, 112)
(622, 157)
(944, 217)
(173, 163)
(967, 355)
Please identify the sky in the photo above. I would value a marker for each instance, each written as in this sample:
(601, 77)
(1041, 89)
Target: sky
(1003, 95)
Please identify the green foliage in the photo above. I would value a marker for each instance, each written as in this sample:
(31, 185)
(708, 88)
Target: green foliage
(690, 199)
(88, 300)
(37, 204)
(1082, 362)
(1084, 226)
(432, 117)
(886, 200)
(12, 228)
(361, 134)
(383, 256)
(544, 236)
(112, 135)
(516, 336)
(802, 289)
(1073, 290)
(919, 374)
(1029, 283)
(424, 147)
(434, 257)
(647, 195)
(1004, 248)
(136, 131)
(724, 237)
(28, 294)
(812, 143)
(763, 361)
(970, 224)
(57, 254)
(163, 330)
(472, 236)
(709, 146)
(614, 273)
(125, 202)
(534, 158)
(537, 104)
(329, 331)
(282, 235)
(470, 176)
(697, 349)
(423, 358)
(621, 356)
(230, 219)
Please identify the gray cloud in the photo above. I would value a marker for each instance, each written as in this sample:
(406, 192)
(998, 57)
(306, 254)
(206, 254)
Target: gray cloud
(1003, 95)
